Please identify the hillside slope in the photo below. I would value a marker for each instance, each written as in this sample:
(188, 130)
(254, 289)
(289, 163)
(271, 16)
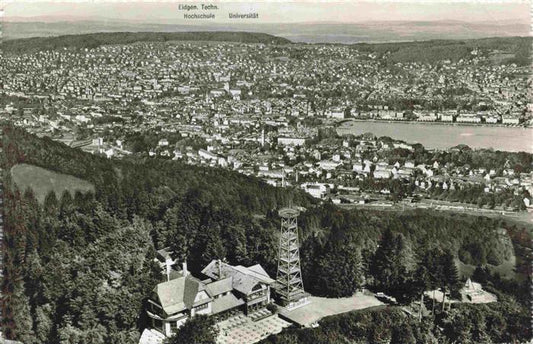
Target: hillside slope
(80, 269)
(94, 40)
(432, 51)
(43, 181)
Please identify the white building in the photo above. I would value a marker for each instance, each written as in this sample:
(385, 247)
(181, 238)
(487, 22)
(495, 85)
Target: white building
(447, 116)
(508, 119)
(382, 174)
(317, 190)
(207, 155)
(427, 117)
(468, 118)
(291, 141)
(329, 164)
(335, 113)
(226, 289)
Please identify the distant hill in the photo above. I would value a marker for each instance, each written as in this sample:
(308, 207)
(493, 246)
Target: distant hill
(94, 40)
(397, 31)
(42, 181)
(307, 32)
(453, 50)
(507, 49)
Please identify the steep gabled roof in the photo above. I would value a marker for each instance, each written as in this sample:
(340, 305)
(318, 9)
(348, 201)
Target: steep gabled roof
(220, 286)
(164, 254)
(178, 294)
(226, 302)
(192, 286)
(258, 271)
(170, 295)
(243, 279)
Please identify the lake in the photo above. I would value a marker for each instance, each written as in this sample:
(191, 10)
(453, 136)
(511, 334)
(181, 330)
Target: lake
(441, 136)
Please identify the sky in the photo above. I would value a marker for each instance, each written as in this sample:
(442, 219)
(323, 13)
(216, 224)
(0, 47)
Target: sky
(274, 11)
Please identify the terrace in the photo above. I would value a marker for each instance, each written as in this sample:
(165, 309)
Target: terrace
(320, 307)
(244, 330)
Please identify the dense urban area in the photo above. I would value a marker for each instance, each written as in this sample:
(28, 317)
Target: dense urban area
(271, 110)
(146, 178)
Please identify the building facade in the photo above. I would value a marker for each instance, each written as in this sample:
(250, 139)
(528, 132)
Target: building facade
(225, 290)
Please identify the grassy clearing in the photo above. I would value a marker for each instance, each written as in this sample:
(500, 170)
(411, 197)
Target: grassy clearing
(506, 269)
(42, 181)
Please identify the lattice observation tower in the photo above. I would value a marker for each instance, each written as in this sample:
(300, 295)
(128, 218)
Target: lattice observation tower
(289, 284)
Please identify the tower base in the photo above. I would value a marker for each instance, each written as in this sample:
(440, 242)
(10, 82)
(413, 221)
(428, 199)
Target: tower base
(297, 304)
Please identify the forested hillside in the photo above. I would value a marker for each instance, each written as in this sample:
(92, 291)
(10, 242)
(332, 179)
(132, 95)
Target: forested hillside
(79, 269)
(94, 40)
(473, 324)
(433, 51)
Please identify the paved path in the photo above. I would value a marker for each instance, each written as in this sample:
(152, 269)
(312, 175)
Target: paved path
(453, 207)
(321, 307)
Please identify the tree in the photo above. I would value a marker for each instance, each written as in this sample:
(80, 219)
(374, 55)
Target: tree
(481, 274)
(66, 204)
(421, 283)
(339, 270)
(402, 335)
(381, 267)
(236, 243)
(197, 330)
(404, 251)
(405, 291)
(214, 247)
(33, 279)
(450, 275)
(393, 262)
(430, 261)
(22, 318)
(43, 323)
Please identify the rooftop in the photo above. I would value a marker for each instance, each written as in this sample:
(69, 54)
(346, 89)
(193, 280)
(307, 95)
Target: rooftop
(243, 279)
(289, 213)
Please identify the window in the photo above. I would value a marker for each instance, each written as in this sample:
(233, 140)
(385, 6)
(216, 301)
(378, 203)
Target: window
(204, 306)
(154, 309)
(158, 324)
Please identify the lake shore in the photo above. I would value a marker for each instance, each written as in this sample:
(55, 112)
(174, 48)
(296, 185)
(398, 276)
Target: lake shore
(445, 136)
(453, 124)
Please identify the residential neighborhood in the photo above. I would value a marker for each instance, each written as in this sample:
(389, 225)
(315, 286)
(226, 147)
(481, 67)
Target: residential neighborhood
(266, 110)
(266, 172)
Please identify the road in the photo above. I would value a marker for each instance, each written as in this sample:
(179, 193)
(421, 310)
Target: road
(455, 207)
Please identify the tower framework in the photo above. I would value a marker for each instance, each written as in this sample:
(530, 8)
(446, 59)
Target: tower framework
(289, 283)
